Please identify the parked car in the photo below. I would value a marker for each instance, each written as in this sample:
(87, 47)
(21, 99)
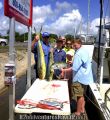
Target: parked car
(3, 42)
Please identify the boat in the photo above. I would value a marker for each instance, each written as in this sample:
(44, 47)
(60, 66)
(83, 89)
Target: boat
(100, 89)
(98, 93)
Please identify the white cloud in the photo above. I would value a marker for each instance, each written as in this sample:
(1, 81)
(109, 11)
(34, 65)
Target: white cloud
(93, 25)
(63, 5)
(74, 15)
(4, 26)
(66, 23)
(65, 18)
(21, 28)
(96, 22)
(52, 21)
(40, 14)
(1, 5)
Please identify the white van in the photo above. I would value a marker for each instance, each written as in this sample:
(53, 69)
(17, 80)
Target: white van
(3, 42)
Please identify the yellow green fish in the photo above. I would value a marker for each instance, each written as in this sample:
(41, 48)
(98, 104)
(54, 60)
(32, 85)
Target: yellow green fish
(41, 65)
(50, 70)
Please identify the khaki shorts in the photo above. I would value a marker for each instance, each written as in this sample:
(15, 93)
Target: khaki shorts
(78, 89)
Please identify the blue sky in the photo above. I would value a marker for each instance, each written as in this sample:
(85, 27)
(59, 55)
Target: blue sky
(59, 16)
(82, 5)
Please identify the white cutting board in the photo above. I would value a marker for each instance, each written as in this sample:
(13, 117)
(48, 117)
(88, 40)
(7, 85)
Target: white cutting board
(42, 89)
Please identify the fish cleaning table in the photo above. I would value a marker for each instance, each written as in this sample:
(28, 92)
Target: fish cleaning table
(42, 90)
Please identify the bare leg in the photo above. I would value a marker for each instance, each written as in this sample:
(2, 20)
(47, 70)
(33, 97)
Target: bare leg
(83, 105)
(79, 105)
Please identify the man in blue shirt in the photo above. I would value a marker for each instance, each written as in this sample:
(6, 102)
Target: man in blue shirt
(59, 55)
(82, 75)
(46, 48)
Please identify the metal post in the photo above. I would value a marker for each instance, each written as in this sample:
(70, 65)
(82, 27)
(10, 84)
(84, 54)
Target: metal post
(109, 38)
(100, 58)
(100, 31)
(29, 59)
(11, 41)
(11, 60)
(81, 27)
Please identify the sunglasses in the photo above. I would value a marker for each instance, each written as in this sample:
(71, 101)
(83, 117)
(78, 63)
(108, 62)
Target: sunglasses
(59, 41)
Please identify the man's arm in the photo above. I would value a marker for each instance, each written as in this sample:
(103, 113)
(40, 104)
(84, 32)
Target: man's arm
(34, 41)
(77, 62)
(66, 72)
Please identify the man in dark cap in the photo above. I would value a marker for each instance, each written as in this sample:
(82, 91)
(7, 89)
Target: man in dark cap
(59, 56)
(59, 53)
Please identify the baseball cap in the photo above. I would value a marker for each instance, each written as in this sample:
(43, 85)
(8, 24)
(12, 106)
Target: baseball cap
(62, 38)
(59, 40)
(70, 53)
(45, 34)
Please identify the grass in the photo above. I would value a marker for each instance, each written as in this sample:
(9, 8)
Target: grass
(6, 48)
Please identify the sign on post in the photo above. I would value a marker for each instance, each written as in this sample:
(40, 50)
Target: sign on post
(10, 74)
(21, 10)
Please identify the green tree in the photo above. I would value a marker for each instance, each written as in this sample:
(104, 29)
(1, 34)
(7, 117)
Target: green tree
(17, 36)
(53, 36)
(70, 37)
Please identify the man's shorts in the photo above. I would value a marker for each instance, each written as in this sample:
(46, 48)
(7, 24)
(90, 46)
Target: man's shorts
(78, 89)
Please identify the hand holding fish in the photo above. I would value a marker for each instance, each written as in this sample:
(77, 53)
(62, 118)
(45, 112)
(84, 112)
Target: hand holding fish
(69, 62)
(62, 73)
(66, 74)
(37, 37)
(51, 50)
(34, 41)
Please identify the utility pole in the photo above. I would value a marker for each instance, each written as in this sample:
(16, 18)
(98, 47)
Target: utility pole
(12, 61)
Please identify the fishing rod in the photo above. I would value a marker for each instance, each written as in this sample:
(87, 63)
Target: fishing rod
(100, 31)
(39, 31)
(100, 51)
(34, 29)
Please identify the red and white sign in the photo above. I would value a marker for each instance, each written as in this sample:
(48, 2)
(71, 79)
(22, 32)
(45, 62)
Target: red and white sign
(21, 10)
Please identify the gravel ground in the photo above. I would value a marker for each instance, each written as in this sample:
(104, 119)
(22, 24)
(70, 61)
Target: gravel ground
(21, 61)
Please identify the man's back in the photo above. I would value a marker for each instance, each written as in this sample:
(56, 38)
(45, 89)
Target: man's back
(82, 67)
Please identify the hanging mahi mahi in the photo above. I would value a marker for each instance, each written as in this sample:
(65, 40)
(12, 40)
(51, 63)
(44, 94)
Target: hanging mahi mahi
(50, 70)
(41, 65)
